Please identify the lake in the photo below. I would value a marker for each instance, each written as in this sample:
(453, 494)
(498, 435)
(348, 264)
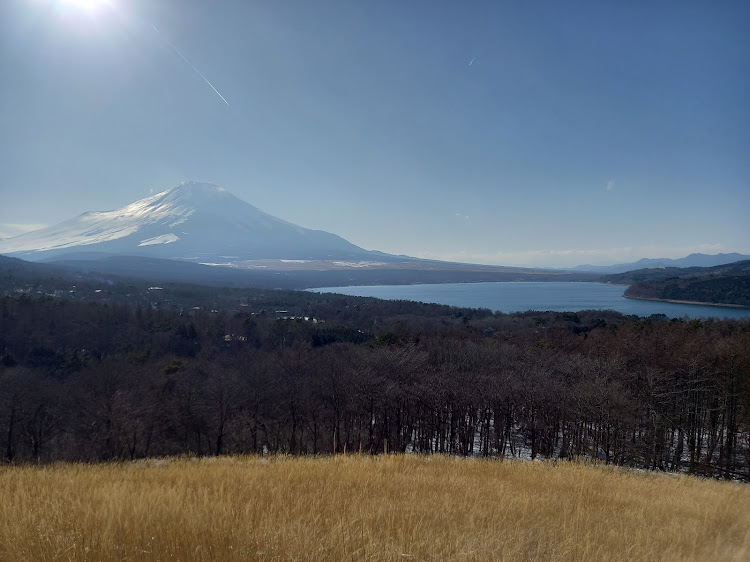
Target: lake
(522, 296)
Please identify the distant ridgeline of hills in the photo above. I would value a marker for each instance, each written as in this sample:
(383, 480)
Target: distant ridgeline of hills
(693, 260)
(17, 274)
(727, 284)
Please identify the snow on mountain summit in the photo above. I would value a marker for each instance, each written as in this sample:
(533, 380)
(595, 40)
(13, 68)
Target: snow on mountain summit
(189, 221)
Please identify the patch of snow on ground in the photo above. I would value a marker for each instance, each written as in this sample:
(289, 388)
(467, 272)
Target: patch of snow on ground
(162, 239)
(359, 263)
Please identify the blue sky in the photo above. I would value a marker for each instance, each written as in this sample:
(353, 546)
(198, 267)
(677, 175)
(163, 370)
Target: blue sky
(518, 133)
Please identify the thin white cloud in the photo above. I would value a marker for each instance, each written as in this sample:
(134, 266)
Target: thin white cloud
(610, 185)
(10, 229)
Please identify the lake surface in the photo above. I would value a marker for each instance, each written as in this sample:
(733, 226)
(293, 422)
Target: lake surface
(522, 296)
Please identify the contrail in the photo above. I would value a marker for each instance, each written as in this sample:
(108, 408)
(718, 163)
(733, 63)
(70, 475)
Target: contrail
(472, 60)
(176, 50)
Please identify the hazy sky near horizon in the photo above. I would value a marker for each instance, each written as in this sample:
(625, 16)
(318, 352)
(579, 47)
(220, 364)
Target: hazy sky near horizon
(515, 133)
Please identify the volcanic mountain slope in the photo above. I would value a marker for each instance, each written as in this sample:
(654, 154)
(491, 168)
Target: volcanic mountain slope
(192, 221)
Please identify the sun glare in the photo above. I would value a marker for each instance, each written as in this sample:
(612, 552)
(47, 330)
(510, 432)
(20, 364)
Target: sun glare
(89, 6)
(83, 16)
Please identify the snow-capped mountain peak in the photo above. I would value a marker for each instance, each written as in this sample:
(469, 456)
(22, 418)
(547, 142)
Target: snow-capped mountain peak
(189, 221)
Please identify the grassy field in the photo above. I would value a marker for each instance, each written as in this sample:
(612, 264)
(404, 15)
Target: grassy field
(366, 508)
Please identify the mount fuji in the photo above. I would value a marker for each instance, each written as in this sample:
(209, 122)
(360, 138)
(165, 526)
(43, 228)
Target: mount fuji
(193, 221)
(201, 233)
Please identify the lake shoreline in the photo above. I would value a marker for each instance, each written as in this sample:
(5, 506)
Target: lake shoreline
(698, 303)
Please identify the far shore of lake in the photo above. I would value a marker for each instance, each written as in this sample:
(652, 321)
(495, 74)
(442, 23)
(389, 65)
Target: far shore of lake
(700, 303)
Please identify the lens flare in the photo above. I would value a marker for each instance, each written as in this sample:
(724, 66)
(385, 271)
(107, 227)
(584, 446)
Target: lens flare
(97, 8)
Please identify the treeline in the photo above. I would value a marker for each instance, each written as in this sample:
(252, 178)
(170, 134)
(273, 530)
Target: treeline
(90, 382)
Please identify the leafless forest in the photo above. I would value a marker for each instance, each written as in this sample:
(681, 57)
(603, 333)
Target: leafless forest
(91, 381)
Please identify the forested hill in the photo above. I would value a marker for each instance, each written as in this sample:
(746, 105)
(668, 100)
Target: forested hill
(722, 289)
(724, 284)
(663, 273)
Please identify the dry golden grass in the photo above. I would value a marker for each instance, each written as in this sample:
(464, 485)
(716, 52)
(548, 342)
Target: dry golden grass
(366, 508)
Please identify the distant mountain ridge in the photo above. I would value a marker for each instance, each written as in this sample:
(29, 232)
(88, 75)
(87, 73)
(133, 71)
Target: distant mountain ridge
(693, 260)
(192, 221)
